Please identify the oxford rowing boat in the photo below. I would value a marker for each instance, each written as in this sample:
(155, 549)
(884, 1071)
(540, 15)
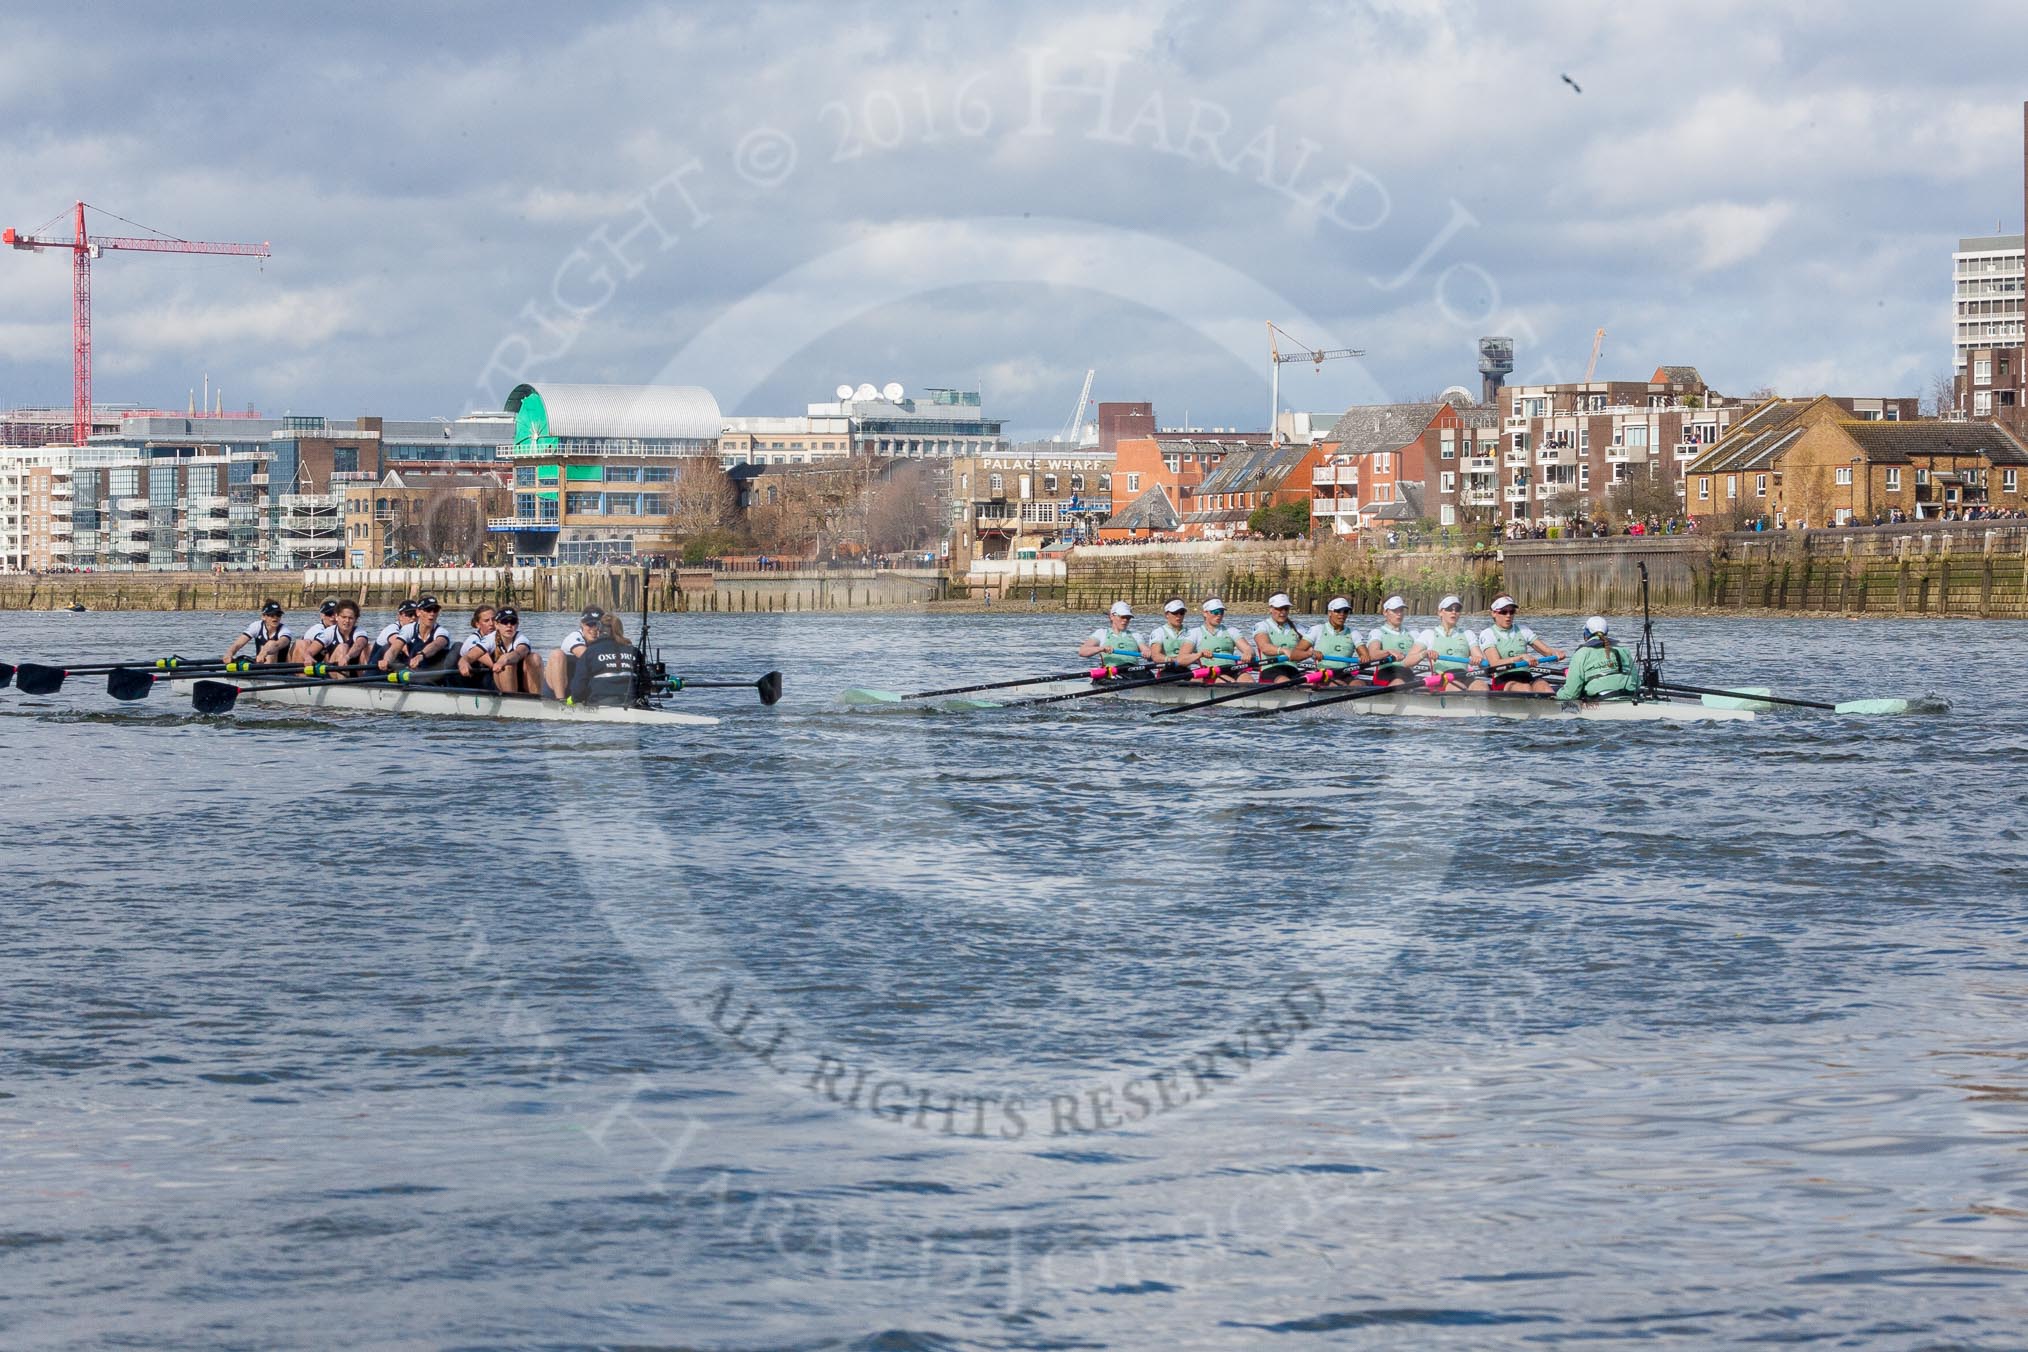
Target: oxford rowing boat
(371, 697)
(1405, 703)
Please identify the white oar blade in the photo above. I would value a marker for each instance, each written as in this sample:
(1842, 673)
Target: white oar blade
(864, 696)
(1874, 706)
(1735, 702)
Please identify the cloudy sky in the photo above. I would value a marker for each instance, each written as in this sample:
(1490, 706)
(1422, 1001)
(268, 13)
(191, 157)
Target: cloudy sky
(772, 199)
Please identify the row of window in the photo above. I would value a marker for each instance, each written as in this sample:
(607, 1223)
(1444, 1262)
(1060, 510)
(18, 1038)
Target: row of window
(1890, 481)
(1984, 369)
(996, 484)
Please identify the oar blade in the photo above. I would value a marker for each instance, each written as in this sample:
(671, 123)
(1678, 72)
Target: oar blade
(34, 679)
(128, 684)
(861, 695)
(1874, 706)
(6, 674)
(770, 687)
(214, 697)
(1741, 700)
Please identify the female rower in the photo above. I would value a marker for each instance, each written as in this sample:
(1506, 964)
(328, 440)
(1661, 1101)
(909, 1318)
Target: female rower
(1391, 647)
(475, 651)
(312, 646)
(1336, 643)
(426, 646)
(402, 628)
(516, 669)
(1508, 651)
(1216, 648)
(1280, 641)
(562, 665)
(1115, 643)
(1449, 647)
(269, 637)
(348, 646)
(1165, 644)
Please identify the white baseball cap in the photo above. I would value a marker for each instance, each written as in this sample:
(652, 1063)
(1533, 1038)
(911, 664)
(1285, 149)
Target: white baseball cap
(1502, 602)
(1175, 608)
(1452, 602)
(1394, 603)
(1339, 603)
(1595, 625)
(1122, 608)
(1279, 599)
(1214, 604)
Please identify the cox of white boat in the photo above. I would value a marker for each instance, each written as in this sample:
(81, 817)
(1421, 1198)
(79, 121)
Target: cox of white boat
(373, 697)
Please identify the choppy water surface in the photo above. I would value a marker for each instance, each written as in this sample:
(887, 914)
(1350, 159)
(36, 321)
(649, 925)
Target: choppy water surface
(1041, 1028)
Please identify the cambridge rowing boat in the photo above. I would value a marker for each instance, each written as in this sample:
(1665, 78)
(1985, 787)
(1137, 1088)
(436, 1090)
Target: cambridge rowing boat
(366, 696)
(1406, 703)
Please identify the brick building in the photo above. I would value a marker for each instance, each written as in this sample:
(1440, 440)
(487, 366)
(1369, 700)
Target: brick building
(1398, 463)
(1818, 462)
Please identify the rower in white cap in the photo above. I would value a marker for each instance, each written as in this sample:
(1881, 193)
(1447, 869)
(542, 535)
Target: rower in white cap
(1599, 667)
(1115, 643)
(1448, 646)
(1215, 647)
(1394, 648)
(1165, 644)
(1280, 641)
(1336, 644)
(1507, 652)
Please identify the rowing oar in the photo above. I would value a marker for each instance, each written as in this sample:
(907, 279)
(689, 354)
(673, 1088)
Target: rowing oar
(1750, 697)
(770, 686)
(1187, 674)
(37, 679)
(218, 697)
(130, 684)
(989, 685)
(1251, 690)
(1367, 692)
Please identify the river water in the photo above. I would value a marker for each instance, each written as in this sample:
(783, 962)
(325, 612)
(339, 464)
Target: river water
(886, 1027)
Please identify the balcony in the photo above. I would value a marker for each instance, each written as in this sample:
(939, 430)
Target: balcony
(214, 545)
(1333, 506)
(510, 523)
(1517, 459)
(1347, 475)
(1480, 464)
(130, 546)
(1626, 455)
(1690, 450)
(1517, 493)
(206, 506)
(130, 506)
(1479, 497)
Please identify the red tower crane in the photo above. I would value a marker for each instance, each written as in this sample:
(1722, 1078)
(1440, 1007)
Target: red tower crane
(82, 252)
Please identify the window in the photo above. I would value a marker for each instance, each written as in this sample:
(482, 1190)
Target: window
(1584, 438)
(1732, 485)
(1133, 483)
(1049, 484)
(1583, 476)
(1105, 483)
(1383, 462)
(996, 486)
(1844, 474)
(1893, 479)
(1922, 478)
(1982, 371)
(1982, 403)
(1077, 483)
(1760, 485)
(1521, 441)
(1703, 488)
(1637, 437)
(2010, 480)
(1450, 481)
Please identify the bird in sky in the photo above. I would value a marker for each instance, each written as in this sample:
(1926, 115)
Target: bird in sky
(1573, 84)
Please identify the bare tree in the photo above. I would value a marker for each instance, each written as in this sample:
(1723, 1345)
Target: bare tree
(1567, 504)
(1940, 396)
(703, 499)
(904, 510)
(1759, 396)
(1642, 497)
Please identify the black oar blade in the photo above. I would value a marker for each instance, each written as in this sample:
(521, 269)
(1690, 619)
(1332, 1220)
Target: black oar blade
(129, 684)
(34, 679)
(6, 674)
(214, 697)
(770, 687)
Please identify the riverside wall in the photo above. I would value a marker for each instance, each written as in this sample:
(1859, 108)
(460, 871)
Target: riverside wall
(535, 589)
(1965, 569)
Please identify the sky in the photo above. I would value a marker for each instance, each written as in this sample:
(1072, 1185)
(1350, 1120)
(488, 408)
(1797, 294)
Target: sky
(771, 200)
